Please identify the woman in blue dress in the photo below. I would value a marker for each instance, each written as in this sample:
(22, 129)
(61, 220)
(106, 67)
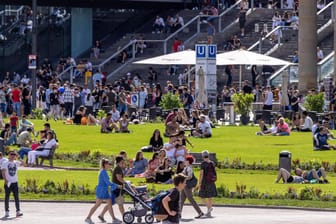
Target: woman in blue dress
(103, 189)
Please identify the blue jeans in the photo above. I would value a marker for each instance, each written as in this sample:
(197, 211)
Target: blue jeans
(24, 151)
(17, 108)
(310, 174)
(11, 140)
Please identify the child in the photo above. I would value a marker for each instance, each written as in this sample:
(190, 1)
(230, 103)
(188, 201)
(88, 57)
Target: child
(14, 121)
(172, 200)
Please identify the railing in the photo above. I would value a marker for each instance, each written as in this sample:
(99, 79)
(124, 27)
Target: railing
(325, 68)
(220, 16)
(17, 13)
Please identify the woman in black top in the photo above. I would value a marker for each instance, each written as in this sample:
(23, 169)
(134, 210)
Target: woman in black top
(164, 173)
(80, 113)
(156, 141)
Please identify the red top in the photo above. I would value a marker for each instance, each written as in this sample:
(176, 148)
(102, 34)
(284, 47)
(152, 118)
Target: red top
(175, 45)
(13, 121)
(16, 95)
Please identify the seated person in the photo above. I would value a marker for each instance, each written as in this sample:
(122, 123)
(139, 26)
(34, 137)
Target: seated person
(203, 128)
(169, 147)
(172, 127)
(326, 125)
(156, 141)
(164, 173)
(308, 122)
(263, 128)
(288, 178)
(24, 124)
(162, 155)
(181, 117)
(139, 165)
(107, 125)
(313, 174)
(296, 122)
(180, 151)
(91, 120)
(24, 139)
(123, 124)
(80, 113)
(8, 136)
(153, 164)
(321, 140)
(43, 150)
(185, 140)
(194, 119)
(282, 128)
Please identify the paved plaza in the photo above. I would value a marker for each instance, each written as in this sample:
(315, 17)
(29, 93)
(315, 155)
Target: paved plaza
(74, 213)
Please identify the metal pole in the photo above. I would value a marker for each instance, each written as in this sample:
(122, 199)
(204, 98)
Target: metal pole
(34, 52)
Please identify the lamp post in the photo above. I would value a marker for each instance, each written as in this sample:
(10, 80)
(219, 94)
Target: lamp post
(34, 52)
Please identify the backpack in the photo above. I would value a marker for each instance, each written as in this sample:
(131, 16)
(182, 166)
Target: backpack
(210, 173)
(159, 211)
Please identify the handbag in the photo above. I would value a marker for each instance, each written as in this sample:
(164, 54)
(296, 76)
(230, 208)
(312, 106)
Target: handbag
(192, 182)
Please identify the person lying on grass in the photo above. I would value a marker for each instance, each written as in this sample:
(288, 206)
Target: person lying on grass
(288, 178)
(312, 175)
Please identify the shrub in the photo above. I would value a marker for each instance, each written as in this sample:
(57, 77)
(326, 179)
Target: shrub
(242, 103)
(314, 102)
(37, 114)
(170, 101)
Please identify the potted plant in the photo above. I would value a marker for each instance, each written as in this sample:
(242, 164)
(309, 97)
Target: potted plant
(242, 105)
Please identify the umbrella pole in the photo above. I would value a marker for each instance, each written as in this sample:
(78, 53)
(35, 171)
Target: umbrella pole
(240, 77)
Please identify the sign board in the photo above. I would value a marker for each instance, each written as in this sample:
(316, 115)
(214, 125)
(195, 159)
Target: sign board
(206, 74)
(31, 61)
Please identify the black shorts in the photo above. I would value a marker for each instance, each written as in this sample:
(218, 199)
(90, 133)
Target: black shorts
(290, 179)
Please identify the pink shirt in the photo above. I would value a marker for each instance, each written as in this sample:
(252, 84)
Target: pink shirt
(283, 128)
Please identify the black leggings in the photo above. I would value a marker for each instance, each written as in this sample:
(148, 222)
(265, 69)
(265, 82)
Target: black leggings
(12, 188)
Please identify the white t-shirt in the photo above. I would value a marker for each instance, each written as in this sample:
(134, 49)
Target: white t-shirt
(205, 127)
(11, 170)
(115, 115)
(269, 98)
(171, 152)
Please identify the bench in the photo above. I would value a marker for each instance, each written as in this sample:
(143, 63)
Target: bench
(198, 158)
(49, 157)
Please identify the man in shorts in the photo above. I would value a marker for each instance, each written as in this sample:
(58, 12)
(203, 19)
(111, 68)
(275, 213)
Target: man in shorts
(313, 174)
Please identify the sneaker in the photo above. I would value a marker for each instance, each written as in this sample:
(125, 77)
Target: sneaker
(18, 214)
(199, 215)
(6, 214)
(88, 221)
(115, 220)
(326, 181)
(101, 218)
(208, 214)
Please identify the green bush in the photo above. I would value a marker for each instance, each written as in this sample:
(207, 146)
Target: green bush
(170, 101)
(314, 102)
(37, 114)
(242, 103)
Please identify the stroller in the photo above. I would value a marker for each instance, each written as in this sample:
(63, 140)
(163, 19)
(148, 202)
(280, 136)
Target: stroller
(141, 206)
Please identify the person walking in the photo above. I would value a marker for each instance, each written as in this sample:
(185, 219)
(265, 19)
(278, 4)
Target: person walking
(103, 193)
(190, 184)
(9, 169)
(207, 179)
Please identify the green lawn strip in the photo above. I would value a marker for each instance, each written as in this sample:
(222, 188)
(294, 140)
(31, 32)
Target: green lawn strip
(229, 142)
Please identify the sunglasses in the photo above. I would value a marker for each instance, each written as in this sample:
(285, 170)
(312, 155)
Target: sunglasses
(12, 154)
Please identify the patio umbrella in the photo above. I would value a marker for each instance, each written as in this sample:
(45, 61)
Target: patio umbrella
(284, 89)
(187, 57)
(244, 57)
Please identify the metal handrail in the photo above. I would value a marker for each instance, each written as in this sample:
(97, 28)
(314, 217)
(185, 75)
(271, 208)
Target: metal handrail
(17, 11)
(226, 12)
(325, 8)
(330, 55)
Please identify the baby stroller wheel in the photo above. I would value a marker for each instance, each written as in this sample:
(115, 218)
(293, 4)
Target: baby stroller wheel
(149, 219)
(128, 218)
(139, 219)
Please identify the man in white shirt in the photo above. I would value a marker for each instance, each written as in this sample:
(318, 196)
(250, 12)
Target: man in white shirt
(159, 24)
(9, 171)
(308, 122)
(203, 128)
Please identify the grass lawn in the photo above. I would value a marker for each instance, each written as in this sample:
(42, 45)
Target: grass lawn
(228, 142)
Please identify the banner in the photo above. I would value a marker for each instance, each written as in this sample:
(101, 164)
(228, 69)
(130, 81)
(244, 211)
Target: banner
(31, 61)
(206, 74)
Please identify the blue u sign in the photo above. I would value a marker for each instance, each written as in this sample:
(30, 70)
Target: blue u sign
(200, 51)
(212, 50)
